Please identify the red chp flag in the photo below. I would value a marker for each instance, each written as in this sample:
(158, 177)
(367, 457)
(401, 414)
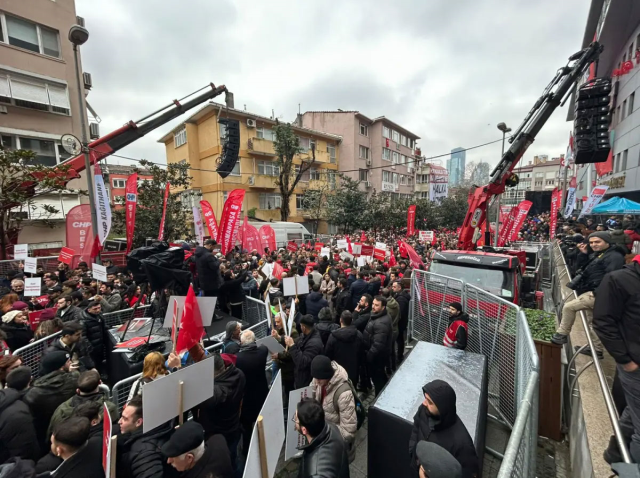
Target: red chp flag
(414, 258)
(278, 270)
(402, 249)
(250, 237)
(506, 226)
(80, 232)
(411, 220)
(230, 220)
(191, 329)
(523, 210)
(392, 258)
(131, 194)
(556, 196)
(210, 219)
(292, 246)
(267, 238)
(164, 212)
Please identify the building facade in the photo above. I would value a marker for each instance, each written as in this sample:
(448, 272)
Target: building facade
(539, 175)
(432, 182)
(198, 142)
(616, 25)
(377, 152)
(456, 166)
(115, 180)
(39, 97)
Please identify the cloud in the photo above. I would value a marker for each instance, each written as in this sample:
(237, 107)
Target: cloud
(448, 71)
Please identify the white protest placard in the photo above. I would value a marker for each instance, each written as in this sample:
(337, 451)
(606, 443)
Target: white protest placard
(21, 251)
(267, 270)
(346, 255)
(426, 236)
(295, 439)
(99, 272)
(302, 284)
(273, 424)
(289, 286)
(342, 244)
(362, 261)
(161, 399)
(33, 286)
(31, 265)
(381, 245)
(207, 306)
(325, 251)
(292, 314)
(356, 249)
(271, 343)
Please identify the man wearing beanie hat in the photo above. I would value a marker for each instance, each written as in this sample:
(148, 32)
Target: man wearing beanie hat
(333, 392)
(436, 421)
(592, 269)
(304, 350)
(188, 453)
(55, 386)
(436, 462)
(456, 335)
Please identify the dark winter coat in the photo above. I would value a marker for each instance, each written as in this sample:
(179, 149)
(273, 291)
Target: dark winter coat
(17, 468)
(80, 351)
(616, 313)
(403, 299)
(374, 287)
(621, 239)
(315, 302)
(221, 413)
(343, 302)
(252, 361)
(65, 410)
(70, 313)
(303, 352)
(215, 463)
(46, 394)
(377, 337)
(326, 326)
(447, 430)
(208, 267)
(85, 463)
(361, 318)
(600, 263)
(17, 433)
(18, 335)
(232, 289)
(94, 330)
(139, 454)
(345, 346)
(285, 362)
(325, 456)
(358, 289)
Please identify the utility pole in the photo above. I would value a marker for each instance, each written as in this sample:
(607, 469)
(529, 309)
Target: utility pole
(505, 129)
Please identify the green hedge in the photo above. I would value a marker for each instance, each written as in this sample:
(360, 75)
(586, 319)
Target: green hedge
(542, 324)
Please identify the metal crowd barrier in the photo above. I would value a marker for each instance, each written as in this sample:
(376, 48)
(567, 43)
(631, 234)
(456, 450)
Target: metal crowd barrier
(497, 329)
(48, 263)
(31, 354)
(119, 317)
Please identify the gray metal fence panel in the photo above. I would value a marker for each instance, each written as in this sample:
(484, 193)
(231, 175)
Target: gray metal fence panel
(48, 263)
(31, 354)
(120, 391)
(119, 317)
(254, 311)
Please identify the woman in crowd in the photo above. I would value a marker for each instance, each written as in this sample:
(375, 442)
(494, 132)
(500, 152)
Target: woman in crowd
(152, 368)
(47, 328)
(7, 364)
(16, 325)
(327, 287)
(6, 303)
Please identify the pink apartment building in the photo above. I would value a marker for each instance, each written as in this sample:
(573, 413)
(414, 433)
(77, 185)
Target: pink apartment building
(378, 152)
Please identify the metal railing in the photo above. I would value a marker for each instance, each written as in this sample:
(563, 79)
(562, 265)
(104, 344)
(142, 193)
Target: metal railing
(31, 354)
(499, 330)
(48, 263)
(119, 317)
(608, 399)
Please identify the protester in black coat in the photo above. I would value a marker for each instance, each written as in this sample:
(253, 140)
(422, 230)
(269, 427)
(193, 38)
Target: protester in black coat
(82, 458)
(304, 350)
(208, 267)
(315, 302)
(67, 311)
(362, 312)
(345, 346)
(377, 336)
(17, 433)
(358, 289)
(95, 331)
(436, 421)
(16, 327)
(374, 286)
(232, 293)
(342, 299)
(403, 298)
(326, 325)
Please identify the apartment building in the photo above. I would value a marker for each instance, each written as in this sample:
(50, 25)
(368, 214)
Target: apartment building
(115, 180)
(378, 152)
(198, 142)
(432, 182)
(39, 99)
(539, 175)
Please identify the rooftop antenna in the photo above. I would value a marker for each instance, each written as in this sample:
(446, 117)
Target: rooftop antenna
(273, 115)
(299, 112)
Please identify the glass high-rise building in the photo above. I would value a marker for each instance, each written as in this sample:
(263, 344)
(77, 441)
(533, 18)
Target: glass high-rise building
(456, 166)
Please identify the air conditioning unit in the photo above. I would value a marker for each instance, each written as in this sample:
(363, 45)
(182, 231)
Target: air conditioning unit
(367, 184)
(94, 130)
(86, 79)
(368, 162)
(252, 179)
(251, 123)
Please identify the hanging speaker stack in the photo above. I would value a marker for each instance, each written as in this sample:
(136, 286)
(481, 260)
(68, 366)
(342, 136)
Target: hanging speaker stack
(592, 120)
(231, 147)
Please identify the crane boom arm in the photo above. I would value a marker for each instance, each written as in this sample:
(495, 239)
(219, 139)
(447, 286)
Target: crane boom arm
(551, 98)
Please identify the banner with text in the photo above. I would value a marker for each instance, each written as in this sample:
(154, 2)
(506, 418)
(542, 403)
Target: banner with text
(596, 196)
(164, 212)
(230, 220)
(506, 226)
(523, 210)
(103, 208)
(198, 225)
(79, 231)
(556, 198)
(411, 220)
(267, 238)
(210, 219)
(131, 203)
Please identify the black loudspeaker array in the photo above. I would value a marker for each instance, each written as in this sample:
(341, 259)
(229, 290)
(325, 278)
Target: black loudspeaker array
(231, 147)
(591, 126)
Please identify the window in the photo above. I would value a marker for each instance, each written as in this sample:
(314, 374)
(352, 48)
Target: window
(314, 174)
(395, 178)
(395, 136)
(332, 153)
(265, 133)
(386, 176)
(305, 176)
(403, 179)
(632, 98)
(395, 158)
(403, 159)
(48, 152)
(268, 168)
(618, 115)
(190, 198)
(581, 185)
(180, 137)
(364, 129)
(386, 154)
(538, 183)
(631, 51)
(331, 178)
(119, 183)
(364, 152)
(30, 36)
(550, 182)
(300, 201)
(307, 143)
(236, 169)
(410, 143)
(625, 154)
(539, 175)
(364, 175)
(223, 131)
(409, 180)
(624, 109)
(28, 92)
(386, 132)
(403, 140)
(270, 201)
(616, 162)
(312, 144)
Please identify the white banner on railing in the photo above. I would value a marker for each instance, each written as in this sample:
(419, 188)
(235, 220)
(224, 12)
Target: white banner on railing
(596, 196)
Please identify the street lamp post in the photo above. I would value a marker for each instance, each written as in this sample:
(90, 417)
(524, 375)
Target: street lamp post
(505, 129)
(78, 35)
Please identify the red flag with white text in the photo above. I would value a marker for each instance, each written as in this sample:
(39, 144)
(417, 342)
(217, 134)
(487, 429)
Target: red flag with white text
(164, 212)
(414, 258)
(556, 198)
(210, 219)
(506, 226)
(523, 210)
(230, 220)
(268, 238)
(411, 220)
(131, 203)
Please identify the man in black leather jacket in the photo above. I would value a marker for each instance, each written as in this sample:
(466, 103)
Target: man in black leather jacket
(95, 331)
(605, 258)
(377, 342)
(208, 268)
(325, 453)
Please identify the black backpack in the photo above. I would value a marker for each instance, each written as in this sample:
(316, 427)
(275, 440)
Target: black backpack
(361, 412)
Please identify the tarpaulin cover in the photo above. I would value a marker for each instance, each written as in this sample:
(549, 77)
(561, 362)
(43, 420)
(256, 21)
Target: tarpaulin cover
(617, 205)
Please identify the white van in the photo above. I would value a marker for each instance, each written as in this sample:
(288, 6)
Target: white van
(286, 231)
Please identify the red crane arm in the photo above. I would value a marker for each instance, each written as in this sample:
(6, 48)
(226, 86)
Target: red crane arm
(551, 98)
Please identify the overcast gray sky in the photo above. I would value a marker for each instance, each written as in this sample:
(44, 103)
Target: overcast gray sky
(448, 70)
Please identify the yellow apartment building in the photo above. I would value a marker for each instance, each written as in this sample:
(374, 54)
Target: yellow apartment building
(198, 142)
